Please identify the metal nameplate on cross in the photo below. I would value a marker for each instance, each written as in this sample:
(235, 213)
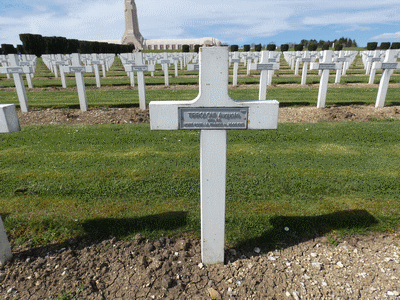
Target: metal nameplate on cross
(214, 112)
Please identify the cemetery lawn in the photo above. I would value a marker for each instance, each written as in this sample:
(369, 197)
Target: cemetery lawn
(300, 181)
(305, 96)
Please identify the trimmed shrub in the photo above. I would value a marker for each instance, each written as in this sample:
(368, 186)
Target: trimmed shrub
(395, 46)
(312, 47)
(385, 46)
(246, 48)
(258, 47)
(372, 46)
(234, 48)
(33, 43)
(20, 49)
(185, 48)
(197, 48)
(8, 49)
(284, 47)
(298, 47)
(272, 47)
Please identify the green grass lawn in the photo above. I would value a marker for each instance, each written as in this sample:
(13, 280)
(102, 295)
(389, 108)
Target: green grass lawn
(60, 182)
(129, 98)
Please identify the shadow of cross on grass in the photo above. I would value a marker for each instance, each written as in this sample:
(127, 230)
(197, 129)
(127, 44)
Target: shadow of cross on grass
(289, 231)
(124, 227)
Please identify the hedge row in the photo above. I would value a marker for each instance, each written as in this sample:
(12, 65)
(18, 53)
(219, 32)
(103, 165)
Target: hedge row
(38, 45)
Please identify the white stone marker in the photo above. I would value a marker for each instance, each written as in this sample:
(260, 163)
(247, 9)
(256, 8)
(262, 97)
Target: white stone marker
(236, 61)
(164, 62)
(5, 249)
(305, 59)
(25, 62)
(388, 65)
(8, 119)
(213, 112)
(264, 66)
(16, 70)
(139, 67)
(341, 59)
(78, 69)
(324, 66)
(95, 62)
(61, 62)
(372, 71)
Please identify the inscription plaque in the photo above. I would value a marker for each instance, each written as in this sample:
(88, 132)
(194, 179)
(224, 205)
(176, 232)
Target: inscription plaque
(389, 66)
(341, 59)
(77, 69)
(324, 66)
(261, 67)
(139, 68)
(376, 59)
(165, 61)
(235, 60)
(306, 59)
(216, 118)
(14, 70)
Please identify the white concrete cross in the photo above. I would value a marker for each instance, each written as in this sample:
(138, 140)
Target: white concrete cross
(305, 60)
(176, 59)
(213, 112)
(341, 59)
(27, 61)
(60, 61)
(165, 62)
(325, 66)
(388, 65)
(127, 59)
(95, 62)
(4, 63)
(371, 67)
(78, 69)
(236, 60)
(152, 61)
(264, 66)
(139, 67)
(16, 70)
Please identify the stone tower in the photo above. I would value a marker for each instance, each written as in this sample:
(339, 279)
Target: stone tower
(132, 34)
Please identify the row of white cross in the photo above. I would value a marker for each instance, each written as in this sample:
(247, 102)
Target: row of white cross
(266, 62)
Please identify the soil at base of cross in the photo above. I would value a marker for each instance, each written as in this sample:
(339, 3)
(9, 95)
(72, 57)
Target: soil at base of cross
(361, 267)
(135, 115)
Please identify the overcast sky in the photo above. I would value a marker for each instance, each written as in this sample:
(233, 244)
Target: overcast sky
(231, 21)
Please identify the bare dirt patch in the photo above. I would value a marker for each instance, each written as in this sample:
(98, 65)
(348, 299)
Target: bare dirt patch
(363, 267)
(135, 115)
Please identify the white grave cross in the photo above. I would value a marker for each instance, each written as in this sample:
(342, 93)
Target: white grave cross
(264, 66)
(139, 67)
(388, 65)
(326, 65)
(16, 70)
(213, 112)
(78, 69)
